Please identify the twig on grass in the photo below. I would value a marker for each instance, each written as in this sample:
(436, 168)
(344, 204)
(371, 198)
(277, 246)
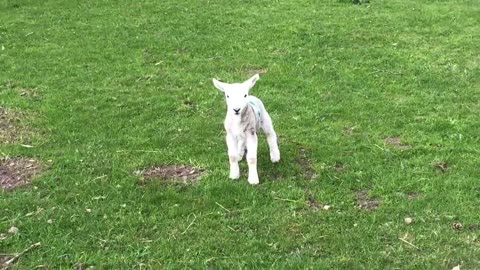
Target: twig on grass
(379, 147)
(408, 243)
(223, 207)
(231, 211)
(231, 228)
(15, 258)
(285, 200)
(142, 151)
(189, 225)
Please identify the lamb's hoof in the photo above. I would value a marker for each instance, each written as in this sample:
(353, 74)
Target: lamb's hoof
(275, 156)
(253, 181)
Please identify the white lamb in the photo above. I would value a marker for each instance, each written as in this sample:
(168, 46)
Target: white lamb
(245, 115)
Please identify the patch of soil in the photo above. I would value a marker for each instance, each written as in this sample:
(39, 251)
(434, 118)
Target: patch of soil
(27, 92)
(313, 203)
(9, 126)
(349, 130)
(303, 160)
(441, 165)
(396, 142)
(364, 201)
(179, 173)
(80, 266)
(252, 70)
(339, 167)
(413, 195)
(473, 227)
(15, 172)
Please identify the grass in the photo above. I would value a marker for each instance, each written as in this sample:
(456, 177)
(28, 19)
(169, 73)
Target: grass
(118, 85)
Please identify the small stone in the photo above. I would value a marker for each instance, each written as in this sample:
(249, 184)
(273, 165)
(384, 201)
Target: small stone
(88, 210)
(408, 220)
(13, 230)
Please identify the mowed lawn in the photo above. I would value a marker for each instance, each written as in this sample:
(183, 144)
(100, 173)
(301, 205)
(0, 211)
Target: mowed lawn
(376, 107)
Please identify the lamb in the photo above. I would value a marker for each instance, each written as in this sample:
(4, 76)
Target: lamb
(245, 116)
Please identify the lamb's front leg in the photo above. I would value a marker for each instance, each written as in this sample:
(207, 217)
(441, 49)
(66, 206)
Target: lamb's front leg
(241, 148)
(233, 156)
(252, 143)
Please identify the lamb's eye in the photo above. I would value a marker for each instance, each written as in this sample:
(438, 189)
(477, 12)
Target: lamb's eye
(245, 96)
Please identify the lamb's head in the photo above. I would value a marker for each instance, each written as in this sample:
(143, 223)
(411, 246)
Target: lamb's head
(236, 93)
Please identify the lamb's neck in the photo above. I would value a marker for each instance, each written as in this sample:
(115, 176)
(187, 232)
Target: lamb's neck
(235, 124)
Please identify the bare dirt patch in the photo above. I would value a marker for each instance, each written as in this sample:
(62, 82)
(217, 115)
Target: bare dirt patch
(442, 166)
(305, 163)
(27, 92)
(10, 126)
(79, 266)
(350, 130)
(177, 173)
(364, 201)
(15, 172)
(8, 121)
(473, 226)
(396, 142)
(313, 204)
(413, 195)
(339, 167)
(252, 70)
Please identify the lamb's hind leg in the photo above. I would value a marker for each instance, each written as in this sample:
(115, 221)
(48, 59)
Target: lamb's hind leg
(252, 143)
(267, 127)
(233, 157)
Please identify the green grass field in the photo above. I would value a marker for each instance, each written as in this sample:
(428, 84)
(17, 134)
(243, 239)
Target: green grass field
(374, 104)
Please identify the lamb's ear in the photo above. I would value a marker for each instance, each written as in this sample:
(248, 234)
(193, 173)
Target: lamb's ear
(219, 85)
(251, 82)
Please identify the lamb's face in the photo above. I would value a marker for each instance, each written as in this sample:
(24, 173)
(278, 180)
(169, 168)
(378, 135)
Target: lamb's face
(236, 93)
(236, 97)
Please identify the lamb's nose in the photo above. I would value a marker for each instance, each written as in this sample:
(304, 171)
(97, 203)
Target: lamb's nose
(236, 111)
